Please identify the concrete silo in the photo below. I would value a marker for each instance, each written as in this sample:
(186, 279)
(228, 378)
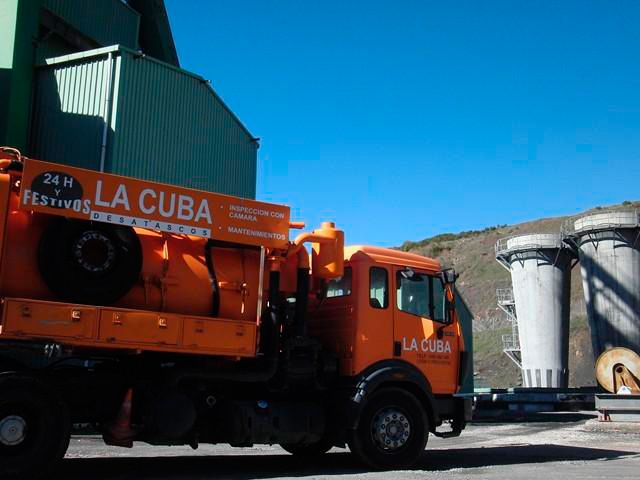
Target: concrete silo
(540, 266)
(609, 248)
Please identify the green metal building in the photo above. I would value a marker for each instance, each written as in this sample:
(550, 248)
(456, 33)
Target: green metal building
(97, 84)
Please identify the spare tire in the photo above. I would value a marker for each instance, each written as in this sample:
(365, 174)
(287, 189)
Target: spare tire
(89, 262)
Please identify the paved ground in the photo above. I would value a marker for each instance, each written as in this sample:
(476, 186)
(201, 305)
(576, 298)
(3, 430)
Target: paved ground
(564, 448)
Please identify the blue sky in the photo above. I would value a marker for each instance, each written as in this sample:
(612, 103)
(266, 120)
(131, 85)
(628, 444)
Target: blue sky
(400, 120)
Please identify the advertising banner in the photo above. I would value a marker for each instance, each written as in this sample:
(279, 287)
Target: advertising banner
(90, 195)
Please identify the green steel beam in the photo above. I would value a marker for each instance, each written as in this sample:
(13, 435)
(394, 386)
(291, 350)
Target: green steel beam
(19, 21)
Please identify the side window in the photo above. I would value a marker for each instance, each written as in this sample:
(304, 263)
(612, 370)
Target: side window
(340, 287)
(421, 295)
(378, 287)
(413, 294)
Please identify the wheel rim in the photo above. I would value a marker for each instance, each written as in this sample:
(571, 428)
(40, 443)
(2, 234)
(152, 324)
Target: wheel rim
(94, 252)
(390, 429)
(13, 430)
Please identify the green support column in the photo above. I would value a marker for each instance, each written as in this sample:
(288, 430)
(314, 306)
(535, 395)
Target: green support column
(19, 20)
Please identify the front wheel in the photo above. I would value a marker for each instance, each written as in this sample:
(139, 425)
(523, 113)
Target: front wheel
(392, 432)
(34, 428)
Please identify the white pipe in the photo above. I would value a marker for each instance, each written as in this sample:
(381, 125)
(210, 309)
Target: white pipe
(260, 281)
(107, 113)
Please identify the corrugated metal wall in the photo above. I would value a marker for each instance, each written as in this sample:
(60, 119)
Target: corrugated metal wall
(71, 105)
(164, 124)
(186, 123)
(108, 22)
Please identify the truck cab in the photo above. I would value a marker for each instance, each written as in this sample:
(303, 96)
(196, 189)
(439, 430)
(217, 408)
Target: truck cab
(390, 305)
(391, 322)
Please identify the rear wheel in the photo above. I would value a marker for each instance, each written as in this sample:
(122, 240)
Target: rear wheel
(392, 431)
(308, 450)
(34, 428)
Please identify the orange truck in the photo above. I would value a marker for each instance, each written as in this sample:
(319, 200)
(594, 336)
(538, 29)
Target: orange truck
(176, 317)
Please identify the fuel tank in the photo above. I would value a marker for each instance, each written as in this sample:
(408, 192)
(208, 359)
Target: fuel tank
(176, 273)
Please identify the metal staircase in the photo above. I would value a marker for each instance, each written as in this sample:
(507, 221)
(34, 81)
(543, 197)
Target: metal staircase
(510, 342)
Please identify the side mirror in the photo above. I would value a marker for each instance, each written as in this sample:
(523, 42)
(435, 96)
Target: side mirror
(449, 304)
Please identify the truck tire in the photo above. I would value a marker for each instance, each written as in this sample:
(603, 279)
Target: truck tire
(308, 450)
(34, 428)
(89, 262)
(392, 431)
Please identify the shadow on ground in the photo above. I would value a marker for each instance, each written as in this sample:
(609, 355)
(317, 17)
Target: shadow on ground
(242, 467)
(505, 416)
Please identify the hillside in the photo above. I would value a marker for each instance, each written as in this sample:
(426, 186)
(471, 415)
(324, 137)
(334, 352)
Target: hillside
(471, 253)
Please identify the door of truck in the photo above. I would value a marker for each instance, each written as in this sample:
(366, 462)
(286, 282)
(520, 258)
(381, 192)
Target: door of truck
(421, 336)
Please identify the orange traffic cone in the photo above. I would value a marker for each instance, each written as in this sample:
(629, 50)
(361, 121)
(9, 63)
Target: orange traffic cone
(120, 433)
